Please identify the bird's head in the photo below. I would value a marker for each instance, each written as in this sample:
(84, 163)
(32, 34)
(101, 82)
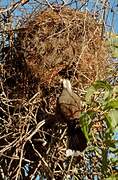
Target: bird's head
(66, 84)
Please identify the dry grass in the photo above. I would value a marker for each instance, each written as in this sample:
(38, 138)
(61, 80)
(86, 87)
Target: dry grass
(56, 42)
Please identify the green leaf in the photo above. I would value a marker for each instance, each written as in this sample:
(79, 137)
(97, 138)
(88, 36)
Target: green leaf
(115, 91)
(85, 131)
(114, 150)
(108, 121)
(90, 92)
(112, 119)
(95, 87)
(113, 114)
(113, 177)
(106, 94)
(102, 84)
(114, 50)
(112, 104)
(85, 121)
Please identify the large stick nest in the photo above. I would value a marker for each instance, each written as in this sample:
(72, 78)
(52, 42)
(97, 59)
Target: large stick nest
(53, 44)
(56, 43)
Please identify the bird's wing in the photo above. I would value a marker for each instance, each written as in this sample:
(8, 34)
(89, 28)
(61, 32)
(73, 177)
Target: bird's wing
(69, 104)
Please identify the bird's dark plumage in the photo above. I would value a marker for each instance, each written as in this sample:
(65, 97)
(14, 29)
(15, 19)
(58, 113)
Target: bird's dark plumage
(69, 107)
(76, 138)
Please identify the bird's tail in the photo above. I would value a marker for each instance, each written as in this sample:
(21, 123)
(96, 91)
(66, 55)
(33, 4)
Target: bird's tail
(76, 138)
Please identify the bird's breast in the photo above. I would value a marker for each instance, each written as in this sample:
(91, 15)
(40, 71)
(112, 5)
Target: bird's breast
(69, 105)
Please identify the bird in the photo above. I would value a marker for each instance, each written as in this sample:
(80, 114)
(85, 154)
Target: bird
(69, 107)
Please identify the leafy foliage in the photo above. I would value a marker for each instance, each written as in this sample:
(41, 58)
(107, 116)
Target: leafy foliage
(101, 123)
